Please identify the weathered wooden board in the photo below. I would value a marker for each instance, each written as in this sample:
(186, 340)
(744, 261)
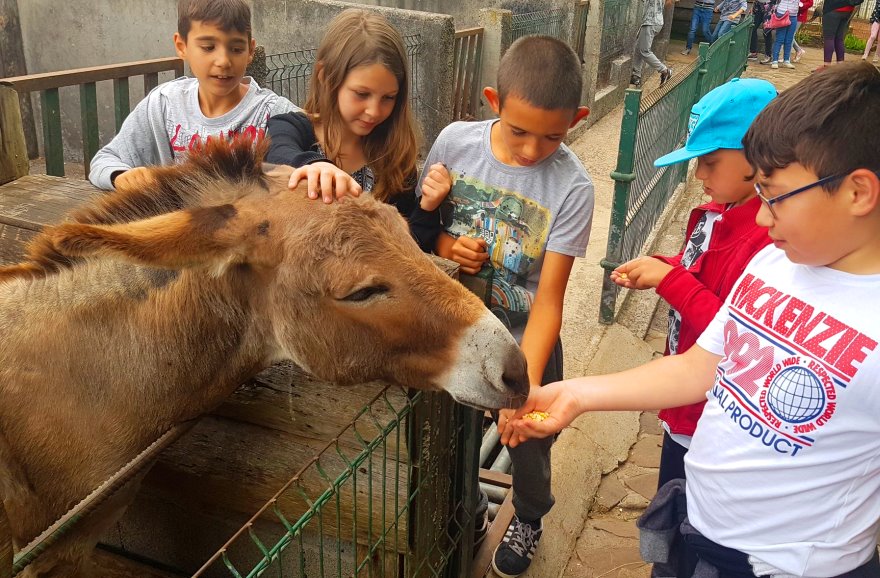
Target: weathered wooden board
(30, 203)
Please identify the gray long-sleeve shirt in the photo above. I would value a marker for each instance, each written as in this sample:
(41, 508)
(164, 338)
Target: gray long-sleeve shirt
(168, 122)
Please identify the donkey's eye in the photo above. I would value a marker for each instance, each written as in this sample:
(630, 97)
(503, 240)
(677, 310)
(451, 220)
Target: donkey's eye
(366, 293)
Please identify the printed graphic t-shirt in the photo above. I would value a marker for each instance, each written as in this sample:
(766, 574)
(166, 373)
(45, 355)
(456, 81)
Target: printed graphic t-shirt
(785, 462)
(521, 212)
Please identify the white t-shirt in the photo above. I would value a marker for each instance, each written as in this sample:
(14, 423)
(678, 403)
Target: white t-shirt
(785, 462)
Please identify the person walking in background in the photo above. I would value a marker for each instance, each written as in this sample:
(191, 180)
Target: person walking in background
(875, 28)
(803, 9)
(652, 23)
(785, 35)
(761, 11)
(730, 13)
(701, 18)
(836, 15)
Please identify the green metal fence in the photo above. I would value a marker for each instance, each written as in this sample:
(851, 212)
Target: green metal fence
(652, 126)
(289, 73)
(549, 22)
(392, 495)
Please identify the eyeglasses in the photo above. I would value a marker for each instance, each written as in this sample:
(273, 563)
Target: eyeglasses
(774, 200)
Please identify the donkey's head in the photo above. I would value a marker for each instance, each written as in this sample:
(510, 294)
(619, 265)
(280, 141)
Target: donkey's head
(340, 289)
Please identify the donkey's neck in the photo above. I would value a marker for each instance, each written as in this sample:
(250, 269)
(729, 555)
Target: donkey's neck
(166, 345)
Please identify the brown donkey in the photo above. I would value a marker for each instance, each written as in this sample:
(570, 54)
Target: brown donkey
(151, 307)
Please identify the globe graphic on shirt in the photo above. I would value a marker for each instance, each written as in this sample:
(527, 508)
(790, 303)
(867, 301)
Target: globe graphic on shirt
(796, 395)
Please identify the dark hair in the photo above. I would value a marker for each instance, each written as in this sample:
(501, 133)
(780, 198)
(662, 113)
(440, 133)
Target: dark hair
(829, 123)
(226, 14)
(543, 71)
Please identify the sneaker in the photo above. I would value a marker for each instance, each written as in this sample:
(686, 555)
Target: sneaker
(774, 65)
(787, 64)
(635, 81)
(686, 51)
(753, 56)
(665, 75)
(514, 554)
(799, 55)
(766, 60)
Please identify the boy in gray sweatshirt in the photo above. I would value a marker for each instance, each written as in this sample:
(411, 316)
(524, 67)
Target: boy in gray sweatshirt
(214, 38)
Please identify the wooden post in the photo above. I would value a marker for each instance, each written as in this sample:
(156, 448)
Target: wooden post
(13, 150)
(12, 63)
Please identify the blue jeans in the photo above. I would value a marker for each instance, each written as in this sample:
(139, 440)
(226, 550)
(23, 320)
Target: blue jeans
(721, 28)
(701, 17)
(784, 38)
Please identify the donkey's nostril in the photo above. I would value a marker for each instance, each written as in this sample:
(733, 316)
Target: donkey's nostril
(515, 376)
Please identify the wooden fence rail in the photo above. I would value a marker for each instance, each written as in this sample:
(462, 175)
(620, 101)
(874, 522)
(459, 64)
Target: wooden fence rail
(47, 84)
(467, 60)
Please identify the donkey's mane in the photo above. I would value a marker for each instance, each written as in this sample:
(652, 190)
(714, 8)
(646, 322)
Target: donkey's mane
(218, 172)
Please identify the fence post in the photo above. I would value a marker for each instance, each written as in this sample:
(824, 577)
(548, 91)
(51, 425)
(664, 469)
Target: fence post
(466, 487)
(702, 71)
(13, 150)
(497, 34)
(623, 177)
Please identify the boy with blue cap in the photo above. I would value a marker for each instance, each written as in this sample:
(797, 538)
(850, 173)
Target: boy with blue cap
(722, 238)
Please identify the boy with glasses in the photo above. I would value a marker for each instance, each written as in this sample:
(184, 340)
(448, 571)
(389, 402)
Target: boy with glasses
(783, 475)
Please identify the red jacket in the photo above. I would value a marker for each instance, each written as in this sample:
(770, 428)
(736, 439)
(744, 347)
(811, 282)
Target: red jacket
(699, 292)
(803, 9)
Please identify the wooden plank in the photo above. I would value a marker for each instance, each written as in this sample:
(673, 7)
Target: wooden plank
(110, 565)
(77, 76)
(151, 81)
(495, 478)
(52, 141)
(12, 243)
(13, 150)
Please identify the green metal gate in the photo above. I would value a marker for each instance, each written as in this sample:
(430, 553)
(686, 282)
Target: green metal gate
(652, 126)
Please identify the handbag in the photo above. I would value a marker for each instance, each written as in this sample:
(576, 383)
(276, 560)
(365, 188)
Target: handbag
(778, 21)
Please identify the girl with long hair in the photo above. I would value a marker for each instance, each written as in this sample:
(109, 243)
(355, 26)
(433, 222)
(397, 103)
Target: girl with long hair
(356, 132)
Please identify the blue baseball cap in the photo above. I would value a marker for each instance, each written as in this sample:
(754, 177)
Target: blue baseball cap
(721, 118)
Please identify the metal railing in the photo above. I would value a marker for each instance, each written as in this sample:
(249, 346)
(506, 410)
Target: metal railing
(467, 60)
(400, 504)
(86, 78)
(652, 126)
(289, 73)
(547, 22)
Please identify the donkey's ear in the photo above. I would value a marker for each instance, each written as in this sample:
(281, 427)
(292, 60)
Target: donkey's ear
(213, 236)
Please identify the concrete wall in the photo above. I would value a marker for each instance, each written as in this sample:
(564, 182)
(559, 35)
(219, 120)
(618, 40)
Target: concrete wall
(100, 32)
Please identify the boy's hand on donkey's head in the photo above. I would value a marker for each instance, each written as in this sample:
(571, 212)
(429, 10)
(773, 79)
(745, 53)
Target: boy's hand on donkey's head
(470, 253)
(137, 178)
(326, 180)
(435, 187)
